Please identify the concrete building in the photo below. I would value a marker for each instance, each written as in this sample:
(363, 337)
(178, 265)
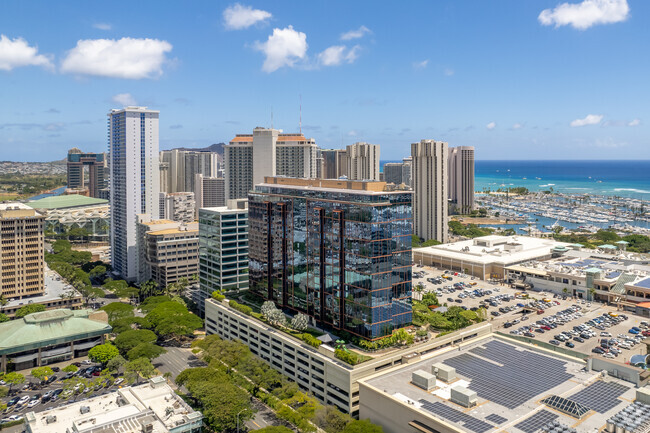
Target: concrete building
(134, 181)
(209, 192)
(223, 235)
(363, 161)
(500, 385)
(394, 172)
(407, 169)
(429, 171)
(335, 163)
(51, 336)
(21, 251)
(248, 158)
(152, 407)
(78, 162)
(178, 206)
(317, 370)
(178, 168)
(487, 257)
(338, 251)
(167, 250)
(461, 179)
(64, 212)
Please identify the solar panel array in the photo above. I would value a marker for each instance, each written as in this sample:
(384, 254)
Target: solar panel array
(600, 396)
(454, 415)
(536, 421)
(521, 376)
(497, 419)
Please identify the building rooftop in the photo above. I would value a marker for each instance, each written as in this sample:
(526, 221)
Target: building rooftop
(494, 249)
(330, 185)
(14, 205)
(156, 222)
(66, 201)
(172, 231)
(152, 405)
(50, 327)
(519, 388)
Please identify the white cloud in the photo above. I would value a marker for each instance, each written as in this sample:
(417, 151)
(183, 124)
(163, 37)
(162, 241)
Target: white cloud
(583, 15)
(238, 17)
(17, 52)
(337, 54)
(590, 119)
(491, 126)
(635, 122)
(517, 126)
(421, 65)
(124, 99)
(355, 34)
(103, 26)
(124, 58)
(449, 72)
(283, 48)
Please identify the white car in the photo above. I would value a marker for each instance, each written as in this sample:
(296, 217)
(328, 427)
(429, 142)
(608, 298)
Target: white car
(33, 403)
(24, 399)
(609, 355)
(119, 380)
(86, 362)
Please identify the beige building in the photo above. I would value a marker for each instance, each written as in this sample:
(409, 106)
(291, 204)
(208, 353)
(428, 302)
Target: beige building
(209, 192)
(21, 251)
(363, 161)
(178, 168)
(316, 370)
(429, 174)
(461, 179)
(335, 163)
(248, 158)
(167, 250)
(178, 206)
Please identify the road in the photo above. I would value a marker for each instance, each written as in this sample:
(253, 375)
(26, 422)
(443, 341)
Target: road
(176, 360)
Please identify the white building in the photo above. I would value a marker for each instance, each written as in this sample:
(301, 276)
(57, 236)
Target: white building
(429, 173)
(248, 158)
(223, 248)
(461, 179)
(363, 161)
(209, 192)
(178, 168)
(153, 407)
(134, 180)
(178, 206)
(407, 171)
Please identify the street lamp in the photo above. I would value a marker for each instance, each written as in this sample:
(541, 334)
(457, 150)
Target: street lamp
(238, 419)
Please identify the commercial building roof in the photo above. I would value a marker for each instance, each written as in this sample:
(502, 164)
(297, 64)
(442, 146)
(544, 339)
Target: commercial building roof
(49, 327)
(66, 201)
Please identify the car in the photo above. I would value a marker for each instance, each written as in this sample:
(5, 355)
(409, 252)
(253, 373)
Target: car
(579, 339)
(33, 403)
(555, 342)
(15, 417)
(598, 350)
(13, 401)
(119, 380)
(633, 331)
(86, 362)
(24, 399)
(57, 391)
(507, 325)
(529, 334)
(540, 330)
(51, 378)
(450, 299)
(569, 344)
(56, 369)
(495, 313)
(78, 386)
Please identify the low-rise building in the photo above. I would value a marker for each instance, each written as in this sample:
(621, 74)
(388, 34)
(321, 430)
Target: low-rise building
(51, 336)
(153, 407)
(178, 206)
(317, 370)
(167, 250)
(486, 257)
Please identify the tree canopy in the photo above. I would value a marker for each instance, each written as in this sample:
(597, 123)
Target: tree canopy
(172, 319)
(29, 309)
(118, 310)
(127, 340)
(42, 373)
(145, 350)
(138, 368)
(103, 353)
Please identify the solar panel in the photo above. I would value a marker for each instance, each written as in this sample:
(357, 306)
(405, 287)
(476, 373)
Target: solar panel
(496, 419)
(507, 375)
(600, 396)
(566, 406)
(536, 421)
(453, 415)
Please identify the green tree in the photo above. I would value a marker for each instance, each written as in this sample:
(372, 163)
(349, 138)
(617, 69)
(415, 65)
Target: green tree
(29, 309)
(70, 368)
(103, 353)
(115, 364)
(118, 310)
(3, 302)
(127, 324)
(13, 378)
(4, 391)
(274, 429)
(138, 368)
(97, 272)
(145, 350)
(171, 319)
(153, 301)
(42, 373)
(127, 340)
(149, 288)
(362, 426)
(330, 419)
(4, 318)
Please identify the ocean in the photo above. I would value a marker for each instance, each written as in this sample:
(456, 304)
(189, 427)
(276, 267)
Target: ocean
(623, 178)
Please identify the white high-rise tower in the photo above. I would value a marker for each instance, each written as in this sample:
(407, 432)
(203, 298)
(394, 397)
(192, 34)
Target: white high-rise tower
(134, 181)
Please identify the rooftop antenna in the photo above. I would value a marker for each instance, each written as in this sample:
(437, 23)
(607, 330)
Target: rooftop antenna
(300, 124)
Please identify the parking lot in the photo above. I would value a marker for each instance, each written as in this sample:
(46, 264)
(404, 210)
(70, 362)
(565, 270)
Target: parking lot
(527, 313)
(59, 390)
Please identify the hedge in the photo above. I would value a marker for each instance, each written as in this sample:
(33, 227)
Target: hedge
(218, 296)
(311, 340)
(245, 309)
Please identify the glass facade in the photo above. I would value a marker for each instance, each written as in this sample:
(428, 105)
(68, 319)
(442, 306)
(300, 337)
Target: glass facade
(342, 257)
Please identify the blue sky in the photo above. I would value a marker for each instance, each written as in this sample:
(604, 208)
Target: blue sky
(517, 79)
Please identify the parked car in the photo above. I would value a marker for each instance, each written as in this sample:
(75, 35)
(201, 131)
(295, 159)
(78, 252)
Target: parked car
(569, 344)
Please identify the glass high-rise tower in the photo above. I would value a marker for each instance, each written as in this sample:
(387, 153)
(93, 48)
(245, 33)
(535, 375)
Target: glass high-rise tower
(336, 250)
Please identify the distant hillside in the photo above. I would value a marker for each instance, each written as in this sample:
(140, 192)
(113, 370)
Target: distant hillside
(217, 147)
